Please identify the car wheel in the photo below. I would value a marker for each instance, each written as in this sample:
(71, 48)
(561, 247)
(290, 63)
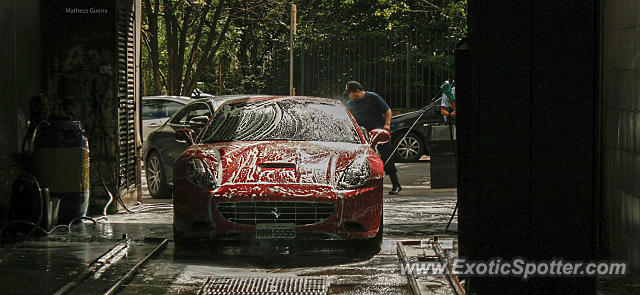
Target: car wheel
(372, 246)
(410, 148)
(156, 182)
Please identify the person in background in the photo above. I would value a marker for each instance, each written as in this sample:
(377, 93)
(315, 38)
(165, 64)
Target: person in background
(448, 104)
(372, 112)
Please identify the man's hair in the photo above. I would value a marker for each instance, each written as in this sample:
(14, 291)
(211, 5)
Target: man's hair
(353, 86)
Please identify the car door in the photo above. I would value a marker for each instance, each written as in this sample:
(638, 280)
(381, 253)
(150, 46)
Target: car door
(150, 117)
(159, 111)
(155, 112)
(171, 148)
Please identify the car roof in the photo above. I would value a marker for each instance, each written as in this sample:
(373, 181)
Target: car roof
(179, 99)
(216, 101)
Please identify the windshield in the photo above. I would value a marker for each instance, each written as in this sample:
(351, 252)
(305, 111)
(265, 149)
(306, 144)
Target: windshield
(283, 119)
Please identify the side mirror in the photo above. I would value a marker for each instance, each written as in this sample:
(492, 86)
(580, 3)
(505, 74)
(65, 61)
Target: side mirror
(364, 132)
(185, 135)
(198, 121)
(378, 136)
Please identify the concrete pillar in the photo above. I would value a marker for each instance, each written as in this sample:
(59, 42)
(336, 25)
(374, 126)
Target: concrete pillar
(528, 173)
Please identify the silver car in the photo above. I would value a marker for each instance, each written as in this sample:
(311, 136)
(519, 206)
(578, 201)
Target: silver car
(158, 109)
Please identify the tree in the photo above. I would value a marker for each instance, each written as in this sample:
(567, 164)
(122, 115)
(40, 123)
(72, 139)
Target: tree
(245, 43)
(260, 30)
(190, 32)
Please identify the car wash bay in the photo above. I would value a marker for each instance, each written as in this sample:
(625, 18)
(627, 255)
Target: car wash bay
(559, 180)
(89, 71)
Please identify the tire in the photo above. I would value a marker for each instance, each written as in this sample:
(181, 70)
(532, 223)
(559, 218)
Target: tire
(372, 246)
(410, 148)
(156, 181)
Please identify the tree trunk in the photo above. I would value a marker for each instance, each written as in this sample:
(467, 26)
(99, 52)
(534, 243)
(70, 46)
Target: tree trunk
(207, 51)
(171, 32)
(205, 59)
(151, 36)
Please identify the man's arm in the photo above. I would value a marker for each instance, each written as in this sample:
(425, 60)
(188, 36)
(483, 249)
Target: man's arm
(387, 120)
(453, 106)
(443, 111)
(444, 106)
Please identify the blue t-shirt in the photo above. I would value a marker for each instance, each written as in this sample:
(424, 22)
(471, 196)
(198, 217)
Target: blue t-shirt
(369, 111)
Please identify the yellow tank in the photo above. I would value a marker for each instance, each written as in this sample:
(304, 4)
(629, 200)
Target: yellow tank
(61, 162)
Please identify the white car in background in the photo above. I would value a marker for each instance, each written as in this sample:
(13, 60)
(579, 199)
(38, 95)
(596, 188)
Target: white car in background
(158, 109)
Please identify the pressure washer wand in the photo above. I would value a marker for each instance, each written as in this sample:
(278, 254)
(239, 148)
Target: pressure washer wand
(405, 135)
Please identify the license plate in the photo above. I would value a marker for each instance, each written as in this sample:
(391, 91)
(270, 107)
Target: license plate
(275, 231)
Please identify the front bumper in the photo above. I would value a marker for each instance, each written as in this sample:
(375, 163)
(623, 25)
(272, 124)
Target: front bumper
(356, 213)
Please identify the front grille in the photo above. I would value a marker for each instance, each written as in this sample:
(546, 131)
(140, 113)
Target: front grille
(298, 213)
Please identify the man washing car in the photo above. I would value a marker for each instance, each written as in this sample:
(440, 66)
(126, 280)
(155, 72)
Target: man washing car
(372, 112)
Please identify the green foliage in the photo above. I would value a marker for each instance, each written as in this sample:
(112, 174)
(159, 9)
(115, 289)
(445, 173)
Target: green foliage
(253, 56)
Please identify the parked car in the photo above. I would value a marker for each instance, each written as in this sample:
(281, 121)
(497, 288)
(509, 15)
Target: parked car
(416, 143)
(280, 168)
(161, 148)
(157, 109)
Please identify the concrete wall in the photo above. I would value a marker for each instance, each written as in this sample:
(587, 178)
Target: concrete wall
(65, 50)
(81, 69)
(19, 80)
(620, 222)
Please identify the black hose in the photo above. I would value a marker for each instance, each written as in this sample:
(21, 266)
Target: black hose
(35, 180)
(41, 215)
(36, 226)
(103, 151)
(48, 232)
(455, 162)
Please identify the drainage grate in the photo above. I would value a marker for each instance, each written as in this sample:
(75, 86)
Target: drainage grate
(264, 286)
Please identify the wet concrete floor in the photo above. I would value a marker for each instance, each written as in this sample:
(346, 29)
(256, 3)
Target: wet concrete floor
(57, 259)
(43, 265)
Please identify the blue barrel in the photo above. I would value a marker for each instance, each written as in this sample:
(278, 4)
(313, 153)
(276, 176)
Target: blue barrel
(61, 162)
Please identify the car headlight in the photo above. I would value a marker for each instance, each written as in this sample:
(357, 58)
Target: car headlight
(198, 173)
(355, 175)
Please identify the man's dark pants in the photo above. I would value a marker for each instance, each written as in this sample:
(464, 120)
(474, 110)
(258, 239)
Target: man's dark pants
(385, 150)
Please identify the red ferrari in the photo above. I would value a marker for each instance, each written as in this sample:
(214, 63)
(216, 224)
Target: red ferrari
(279, 168)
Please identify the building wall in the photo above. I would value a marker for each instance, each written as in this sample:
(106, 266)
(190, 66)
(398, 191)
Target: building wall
(80, 65)
(66, 51)
(620, 222)
(528, 151)
(19, 80)
(83, 69)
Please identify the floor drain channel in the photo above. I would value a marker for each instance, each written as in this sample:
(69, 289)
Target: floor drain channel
(270, 286)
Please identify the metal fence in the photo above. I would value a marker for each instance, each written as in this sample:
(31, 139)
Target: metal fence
(406, 71)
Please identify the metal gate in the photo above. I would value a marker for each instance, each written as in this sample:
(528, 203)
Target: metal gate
(405, 69)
